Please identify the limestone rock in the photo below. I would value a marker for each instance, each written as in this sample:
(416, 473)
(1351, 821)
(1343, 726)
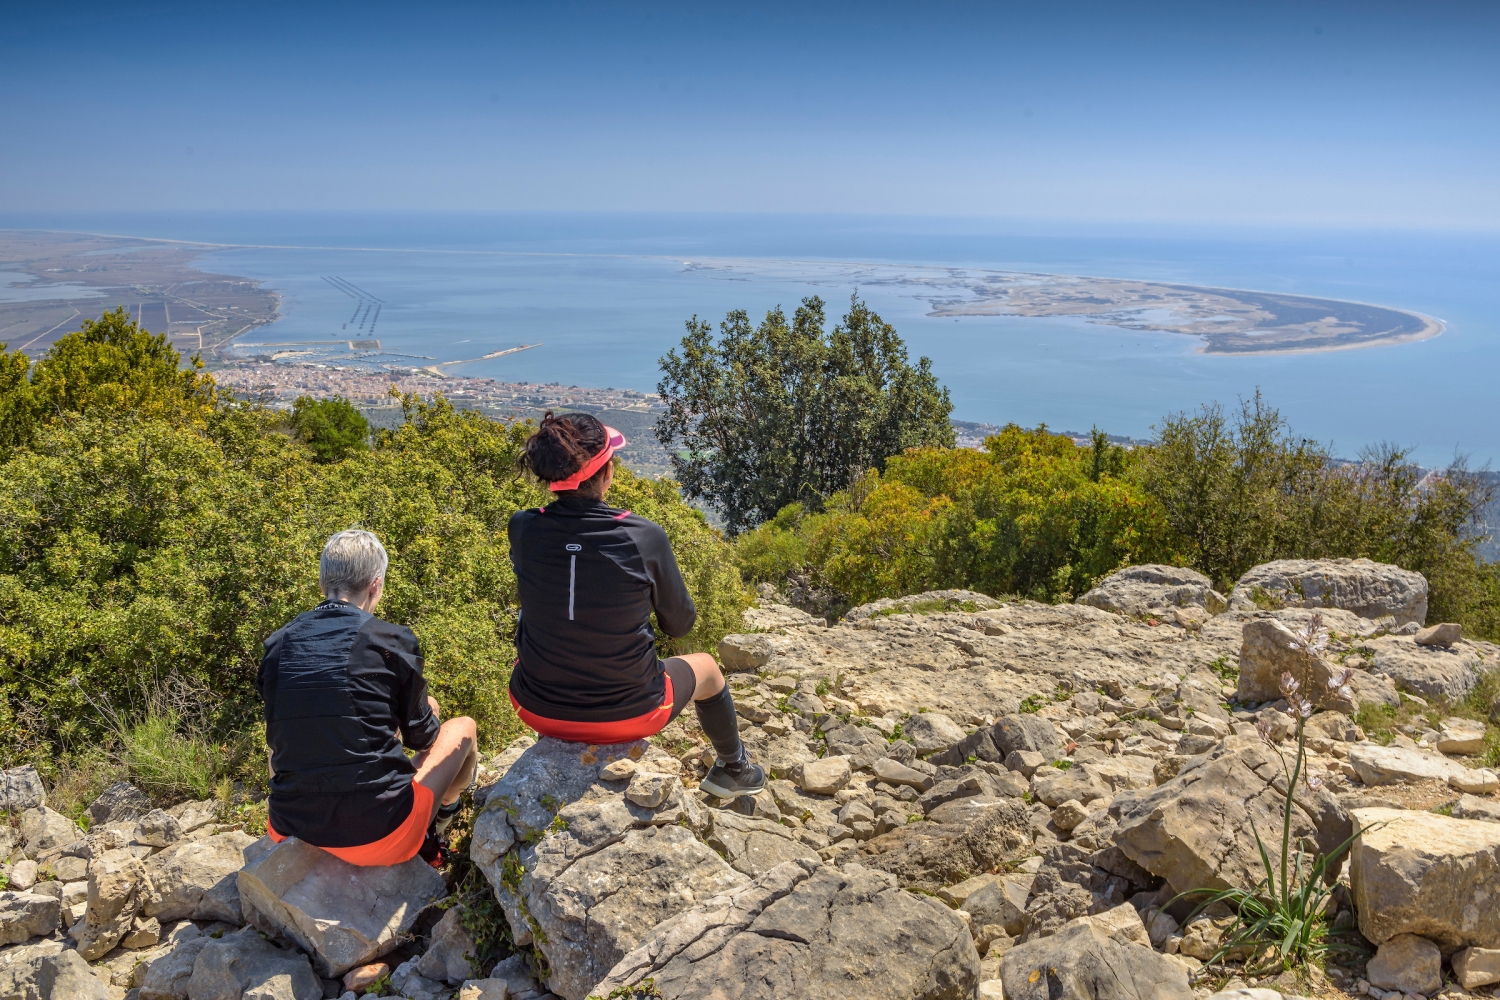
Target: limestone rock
(1023, 733)
(753, 846)
(158, 828)
(484, 989)
(194, 814)
(1194, 829)
(582, 872)
(118, 888)
(167, 976)
(1266, 653)
(19, 966)
(895, 773)
(341, 914)
(121, 802)
(930, 731)
(21, 789)
(1476, 967)
(1369, 589)
(926, 599)
(1473, 807)
(44, 831)
(1461, 736)
(197, 879)
(1414, 872)
(66, 976)
(1082, 961)
(1427, 671)
(1001, 901)
(1069, 814)
(747, 652)
(929, 856)
(1445, 634)
(446, 958)
(1378, 765)
(24, 915)
(1135, 589)
(244, 964)
(823, 777)
(1054, 786)
(1407, 963)
(23, 875)
(806, 929)
(770, 616)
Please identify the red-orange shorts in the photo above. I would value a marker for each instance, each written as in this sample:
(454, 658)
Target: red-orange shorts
(401, 844)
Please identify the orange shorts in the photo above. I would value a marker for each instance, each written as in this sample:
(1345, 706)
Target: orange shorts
(401, 844)
(623, 731)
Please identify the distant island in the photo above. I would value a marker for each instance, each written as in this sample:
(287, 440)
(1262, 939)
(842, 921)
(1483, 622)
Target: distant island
(1227, 320)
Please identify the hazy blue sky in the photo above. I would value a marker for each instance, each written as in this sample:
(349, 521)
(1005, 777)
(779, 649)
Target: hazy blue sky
(1276, 113)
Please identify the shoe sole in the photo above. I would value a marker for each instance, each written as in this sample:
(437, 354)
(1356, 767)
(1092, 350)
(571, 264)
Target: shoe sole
(720, 792)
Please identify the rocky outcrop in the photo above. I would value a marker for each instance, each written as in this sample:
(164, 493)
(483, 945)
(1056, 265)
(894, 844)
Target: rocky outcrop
(1195, 830)
(341, 914)
(1376, 765)
(1138, 590)
(1419, 873)
(44, 832)
(118, 890)
(1428, 671)
(1084, 961)
(20, 965)
(923, 603)
(1267, 651)
(21, 789)
(244, 964)
(199, 879)
(807, 929)
(67, 975)
(582, 869)
(1406, 963)
(1369, 589)
(24, 915)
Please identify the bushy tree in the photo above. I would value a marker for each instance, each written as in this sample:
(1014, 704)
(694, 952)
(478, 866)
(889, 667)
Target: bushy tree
(787, 413)
(333, 428)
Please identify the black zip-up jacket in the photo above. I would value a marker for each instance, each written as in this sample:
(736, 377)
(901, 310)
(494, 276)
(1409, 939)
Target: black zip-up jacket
(343, 690)
(589, 577)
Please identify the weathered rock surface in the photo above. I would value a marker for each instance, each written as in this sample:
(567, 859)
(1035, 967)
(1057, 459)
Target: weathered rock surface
(449, 947)
(1413, 872)
(67, 975)
(44, 831)
(1473, 807)
(341, 914)
(930, 855)
(925, 600)
(1407, 963)
(1428, 671)
(198, 879)
(121, 802)
(1378, 765)
(1369, 589)
(929, 731)
(1476, 967)
(19, 966)
(245, 965)
(24, 915)
(1194, 830)
(811, 931)
(1443, 634)
(118, 888)
(166, 977)
(1135, 590)
(21, 789)
(1266, 653)
(1084, 962)
(754, 846)
(580, 870)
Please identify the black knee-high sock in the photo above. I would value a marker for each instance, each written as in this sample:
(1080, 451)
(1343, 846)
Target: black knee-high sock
(716, 716)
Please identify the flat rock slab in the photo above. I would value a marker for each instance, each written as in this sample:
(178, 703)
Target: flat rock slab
(244, 964)
(1431, 672)
(754, 846)
(1420, 873)
(199, 879)
(808, 930)
(1378, 765)
(1135, 589)
(343, 915)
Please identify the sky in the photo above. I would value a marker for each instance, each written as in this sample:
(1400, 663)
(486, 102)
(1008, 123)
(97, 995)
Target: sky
(1265, 113)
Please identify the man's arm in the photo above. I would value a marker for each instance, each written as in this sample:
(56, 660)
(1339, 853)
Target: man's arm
(415, 710)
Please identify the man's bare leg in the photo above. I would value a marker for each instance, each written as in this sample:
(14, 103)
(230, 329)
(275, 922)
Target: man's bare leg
(448, 765)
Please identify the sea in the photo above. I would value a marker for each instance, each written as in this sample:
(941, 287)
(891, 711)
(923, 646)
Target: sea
(604, 296)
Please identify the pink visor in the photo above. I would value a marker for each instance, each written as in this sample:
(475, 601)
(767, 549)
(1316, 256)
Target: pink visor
(613, 442)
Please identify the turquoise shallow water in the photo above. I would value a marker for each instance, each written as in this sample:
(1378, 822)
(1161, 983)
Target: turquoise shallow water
(606, 295)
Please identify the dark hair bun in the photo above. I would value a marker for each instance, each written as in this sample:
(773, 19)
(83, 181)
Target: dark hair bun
(563, 445)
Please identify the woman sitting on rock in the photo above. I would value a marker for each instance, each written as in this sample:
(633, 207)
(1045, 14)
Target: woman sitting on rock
(590, 575)
(343, 692)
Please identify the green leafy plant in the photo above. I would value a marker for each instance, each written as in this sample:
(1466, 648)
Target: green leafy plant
(1033, 703)
(1280, 923)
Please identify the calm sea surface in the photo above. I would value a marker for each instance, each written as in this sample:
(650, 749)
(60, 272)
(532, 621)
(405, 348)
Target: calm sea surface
(606, 295)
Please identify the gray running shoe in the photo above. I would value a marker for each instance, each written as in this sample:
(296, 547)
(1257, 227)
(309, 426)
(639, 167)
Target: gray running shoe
(731, 784)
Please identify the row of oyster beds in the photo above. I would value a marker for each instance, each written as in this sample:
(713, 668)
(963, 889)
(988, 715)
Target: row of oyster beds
(1049, 838)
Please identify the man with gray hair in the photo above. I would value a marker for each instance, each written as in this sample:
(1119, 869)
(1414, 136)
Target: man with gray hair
(344, 692)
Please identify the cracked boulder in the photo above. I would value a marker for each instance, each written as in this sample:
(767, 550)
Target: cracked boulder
(584, 871)
(1087, 960)
(754, 846)
(811, 930)
(244, 964)
(343, 915)
(1369, 589)
(1136, 589)
(198, 879)
(21, 789)
(1445, 672)
(1195, 830)
(929, 856)
(118, 889)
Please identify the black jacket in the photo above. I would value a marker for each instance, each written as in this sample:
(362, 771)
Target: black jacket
(343, 691)
(589, 577)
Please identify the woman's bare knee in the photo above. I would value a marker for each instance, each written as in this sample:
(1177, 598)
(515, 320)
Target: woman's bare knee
(710, 679)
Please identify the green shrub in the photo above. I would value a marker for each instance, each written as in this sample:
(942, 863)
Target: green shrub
(332, 428)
